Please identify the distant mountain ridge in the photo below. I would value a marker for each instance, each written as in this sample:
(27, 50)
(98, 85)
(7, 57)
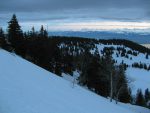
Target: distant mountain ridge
(141, 38)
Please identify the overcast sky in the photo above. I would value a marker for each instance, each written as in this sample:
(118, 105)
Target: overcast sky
(77, 14)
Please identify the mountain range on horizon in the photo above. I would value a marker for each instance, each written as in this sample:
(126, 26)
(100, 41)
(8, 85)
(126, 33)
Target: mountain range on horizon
(138, 37)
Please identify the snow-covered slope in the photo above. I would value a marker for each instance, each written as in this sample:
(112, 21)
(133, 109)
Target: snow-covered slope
(27, 88)
(139, 78)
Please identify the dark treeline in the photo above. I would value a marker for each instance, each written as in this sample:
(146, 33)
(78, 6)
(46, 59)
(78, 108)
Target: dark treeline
(130, 44)
(99, 73)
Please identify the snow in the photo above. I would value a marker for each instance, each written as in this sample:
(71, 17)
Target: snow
(139, 78)
(139, 58)
(27, 88)
(134, 108)
(73, 78)
(146, 45)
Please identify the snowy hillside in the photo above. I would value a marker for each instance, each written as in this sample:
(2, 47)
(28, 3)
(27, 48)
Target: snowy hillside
(27, 88)
(139, 78)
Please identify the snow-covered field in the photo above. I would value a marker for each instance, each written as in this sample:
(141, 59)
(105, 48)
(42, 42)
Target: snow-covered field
(27, 88)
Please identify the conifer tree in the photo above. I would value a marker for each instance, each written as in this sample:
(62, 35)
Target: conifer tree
(43, 33)
(86, 58)
(93, 73)
(140, 98)
(33, 34)
(109, 67)
(124, 94)
(2, 38)
(147, 95)
(15, 34)
(1, 33)
(147, 56)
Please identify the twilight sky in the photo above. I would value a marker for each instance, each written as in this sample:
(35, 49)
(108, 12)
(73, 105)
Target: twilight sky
(78, 14)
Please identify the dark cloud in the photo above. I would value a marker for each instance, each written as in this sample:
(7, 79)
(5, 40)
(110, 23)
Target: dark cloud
(73, 10)
(34, 5)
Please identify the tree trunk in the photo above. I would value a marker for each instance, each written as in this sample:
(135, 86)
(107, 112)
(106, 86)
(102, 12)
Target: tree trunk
(111, 88)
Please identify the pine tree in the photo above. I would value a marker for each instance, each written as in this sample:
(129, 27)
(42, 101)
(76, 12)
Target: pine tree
(104, 78)
(109, 71)
(33, 30)
(2, 38)
(93, 72)
(15, 34)
(1, 33)
(147, 95)
(121, 89)
(43, 33)
(86, 59)
(140, 98)
(146, 56)
(33, 34)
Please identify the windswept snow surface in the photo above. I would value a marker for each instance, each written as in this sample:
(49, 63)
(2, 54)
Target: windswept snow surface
(27, 88)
